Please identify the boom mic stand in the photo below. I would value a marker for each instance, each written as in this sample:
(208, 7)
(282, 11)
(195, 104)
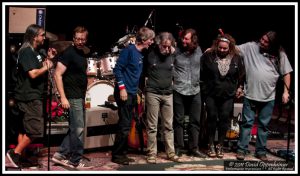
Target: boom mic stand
(149, 19)
(289, 103)
(289, 106)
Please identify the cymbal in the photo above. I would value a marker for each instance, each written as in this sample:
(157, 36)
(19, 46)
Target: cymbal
(52, 37)
(60, 46)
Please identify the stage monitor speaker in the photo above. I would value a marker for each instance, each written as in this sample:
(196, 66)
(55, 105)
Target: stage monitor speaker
(100, 127)
(20, 18)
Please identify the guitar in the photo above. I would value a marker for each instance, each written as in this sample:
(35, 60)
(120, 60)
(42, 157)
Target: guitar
(234, 131)
(137, 132)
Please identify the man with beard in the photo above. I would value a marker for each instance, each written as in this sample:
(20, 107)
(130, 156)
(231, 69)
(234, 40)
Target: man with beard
(265, 61)
(31, 76)
(159, 95)
(222, 73)
(186, 95)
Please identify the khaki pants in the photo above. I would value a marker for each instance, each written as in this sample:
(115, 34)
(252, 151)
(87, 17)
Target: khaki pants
(160, 104)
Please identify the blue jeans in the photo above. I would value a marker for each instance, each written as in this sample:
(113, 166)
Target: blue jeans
(72, 144)
(265, 110)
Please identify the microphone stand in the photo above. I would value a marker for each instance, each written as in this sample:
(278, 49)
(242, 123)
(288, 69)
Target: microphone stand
(149, 18)
(289, 104)
(50, 111)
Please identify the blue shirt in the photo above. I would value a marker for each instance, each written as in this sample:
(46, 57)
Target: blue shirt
(128, 69)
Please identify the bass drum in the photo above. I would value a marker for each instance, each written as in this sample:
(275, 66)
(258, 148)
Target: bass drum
(100, 91)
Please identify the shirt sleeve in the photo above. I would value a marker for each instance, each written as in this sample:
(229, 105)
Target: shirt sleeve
(120, 66)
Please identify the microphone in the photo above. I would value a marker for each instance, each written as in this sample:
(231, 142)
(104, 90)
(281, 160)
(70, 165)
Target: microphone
(43, 53)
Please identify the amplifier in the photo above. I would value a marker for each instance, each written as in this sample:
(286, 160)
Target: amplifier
(238, 108)
(100, 127)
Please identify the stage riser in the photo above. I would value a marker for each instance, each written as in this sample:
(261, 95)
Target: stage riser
(100, 128)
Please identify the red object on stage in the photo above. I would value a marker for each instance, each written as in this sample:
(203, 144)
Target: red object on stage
(56, 109)
(254, 129)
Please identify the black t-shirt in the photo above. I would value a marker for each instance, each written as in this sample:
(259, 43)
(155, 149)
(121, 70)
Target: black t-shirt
(27, 88)
(75, 77)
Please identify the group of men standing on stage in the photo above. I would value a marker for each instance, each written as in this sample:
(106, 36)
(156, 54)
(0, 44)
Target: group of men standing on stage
(179, 78)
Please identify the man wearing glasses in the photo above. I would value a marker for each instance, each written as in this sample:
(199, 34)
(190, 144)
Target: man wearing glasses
(71, 80)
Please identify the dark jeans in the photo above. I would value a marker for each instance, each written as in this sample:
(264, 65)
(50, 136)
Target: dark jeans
(125, 112)
(218, 113)
(193, 102)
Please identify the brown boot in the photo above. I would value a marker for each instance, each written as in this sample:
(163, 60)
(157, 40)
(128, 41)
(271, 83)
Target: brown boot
(219, 150)
(211, 150)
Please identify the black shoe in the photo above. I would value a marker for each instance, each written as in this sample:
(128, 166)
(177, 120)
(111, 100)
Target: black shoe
(25, 163)
(240, 155)
(122, 161)
(262, 157)
(180, 152)
(14, 158)
(197, 153)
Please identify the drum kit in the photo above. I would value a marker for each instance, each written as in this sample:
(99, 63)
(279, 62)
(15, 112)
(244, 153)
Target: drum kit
(101, 78)
(99, 69)
(100, 72)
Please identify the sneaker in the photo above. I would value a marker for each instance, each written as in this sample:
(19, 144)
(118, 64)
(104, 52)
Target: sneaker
(61, 160)
(14, 158)
(240, 155)
(83, 164)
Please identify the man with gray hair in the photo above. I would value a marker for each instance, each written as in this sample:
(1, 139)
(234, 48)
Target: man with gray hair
(159, 95)
(127, 72)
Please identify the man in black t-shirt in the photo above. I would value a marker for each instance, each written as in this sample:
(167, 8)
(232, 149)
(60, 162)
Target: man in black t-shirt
(71, 81)
(31, 71)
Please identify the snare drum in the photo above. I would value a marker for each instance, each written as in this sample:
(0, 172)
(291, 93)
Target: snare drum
(100, 91)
